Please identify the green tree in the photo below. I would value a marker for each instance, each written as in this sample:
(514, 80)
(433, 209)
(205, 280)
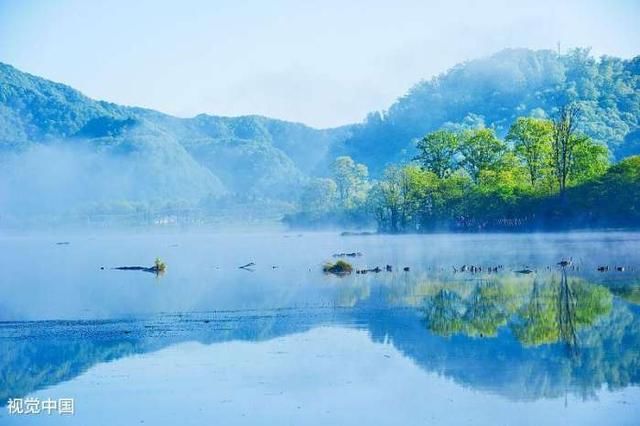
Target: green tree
(501, 188)
(590, 160)
(395, 204)
(481, 150)
(575, 157)
(437, 152)
(319, 195)
(421, 196)
(531, 138)
(405, 198)
(391, 199)
(612, 197)
(564, 142)
(351, 181)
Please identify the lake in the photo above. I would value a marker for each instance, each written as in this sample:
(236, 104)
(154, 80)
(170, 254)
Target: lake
(281, 342)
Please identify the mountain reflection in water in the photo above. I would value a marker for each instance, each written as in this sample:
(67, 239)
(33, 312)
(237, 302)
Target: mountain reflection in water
(524, 337)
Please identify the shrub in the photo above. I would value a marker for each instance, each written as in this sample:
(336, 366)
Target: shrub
(339, 268)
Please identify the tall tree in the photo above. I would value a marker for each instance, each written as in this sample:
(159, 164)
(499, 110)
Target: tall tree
(319, 195)
(437, 152)
(481, 150)
(531, 138)
(351, 180)
(391, 198)
(575, 156)
(402, 197)
(564, 142)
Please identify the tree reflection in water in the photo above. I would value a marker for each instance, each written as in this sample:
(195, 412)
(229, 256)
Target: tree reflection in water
(504, 333)
(566, 316)
(552, 311)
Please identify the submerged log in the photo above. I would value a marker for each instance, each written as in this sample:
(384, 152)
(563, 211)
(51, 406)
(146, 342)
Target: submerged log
(153, 269)
(130, 268)
(352, 254)
(158, 267)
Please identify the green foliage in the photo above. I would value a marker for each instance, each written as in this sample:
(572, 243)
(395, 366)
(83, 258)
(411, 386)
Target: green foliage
(531, 138)
(405, 198)
(544, 311)
(319, 195)
(481, 150)
(544, 318)
(590, 160)
(437, 152)
(490, 184)
(340, 200)
(351, 181)
(159, 266)
(613, 197)
(478, 311)
(340, 267)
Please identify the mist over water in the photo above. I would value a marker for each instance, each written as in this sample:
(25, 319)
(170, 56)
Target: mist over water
(66, 282)
(71, 179)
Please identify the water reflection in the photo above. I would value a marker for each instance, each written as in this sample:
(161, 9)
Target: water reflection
(523, 337)
(545, 310)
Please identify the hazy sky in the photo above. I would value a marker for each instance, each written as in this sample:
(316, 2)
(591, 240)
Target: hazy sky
(323, 64)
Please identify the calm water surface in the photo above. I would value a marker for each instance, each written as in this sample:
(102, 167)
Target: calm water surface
(282, 343)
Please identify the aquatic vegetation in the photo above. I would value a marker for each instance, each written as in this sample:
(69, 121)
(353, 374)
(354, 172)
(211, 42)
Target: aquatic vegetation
(339, 268)
(159, 265)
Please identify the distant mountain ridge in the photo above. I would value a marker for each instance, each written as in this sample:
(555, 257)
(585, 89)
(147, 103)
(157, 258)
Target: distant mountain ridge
(137, 154)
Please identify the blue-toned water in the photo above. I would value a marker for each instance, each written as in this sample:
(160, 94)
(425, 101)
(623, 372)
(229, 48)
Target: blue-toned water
(282, 343)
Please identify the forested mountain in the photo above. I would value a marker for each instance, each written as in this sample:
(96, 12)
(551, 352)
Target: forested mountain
(61, 151)
(52, 138)
(33, 109)
(494, 91)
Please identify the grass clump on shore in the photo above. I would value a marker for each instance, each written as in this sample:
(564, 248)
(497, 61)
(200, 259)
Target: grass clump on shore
(339, 268)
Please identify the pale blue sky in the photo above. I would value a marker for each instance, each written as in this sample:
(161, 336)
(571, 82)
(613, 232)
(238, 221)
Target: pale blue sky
(323, 64)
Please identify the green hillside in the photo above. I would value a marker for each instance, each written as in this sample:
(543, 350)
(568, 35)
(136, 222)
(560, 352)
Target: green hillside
(494, 91)
(127, 155)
